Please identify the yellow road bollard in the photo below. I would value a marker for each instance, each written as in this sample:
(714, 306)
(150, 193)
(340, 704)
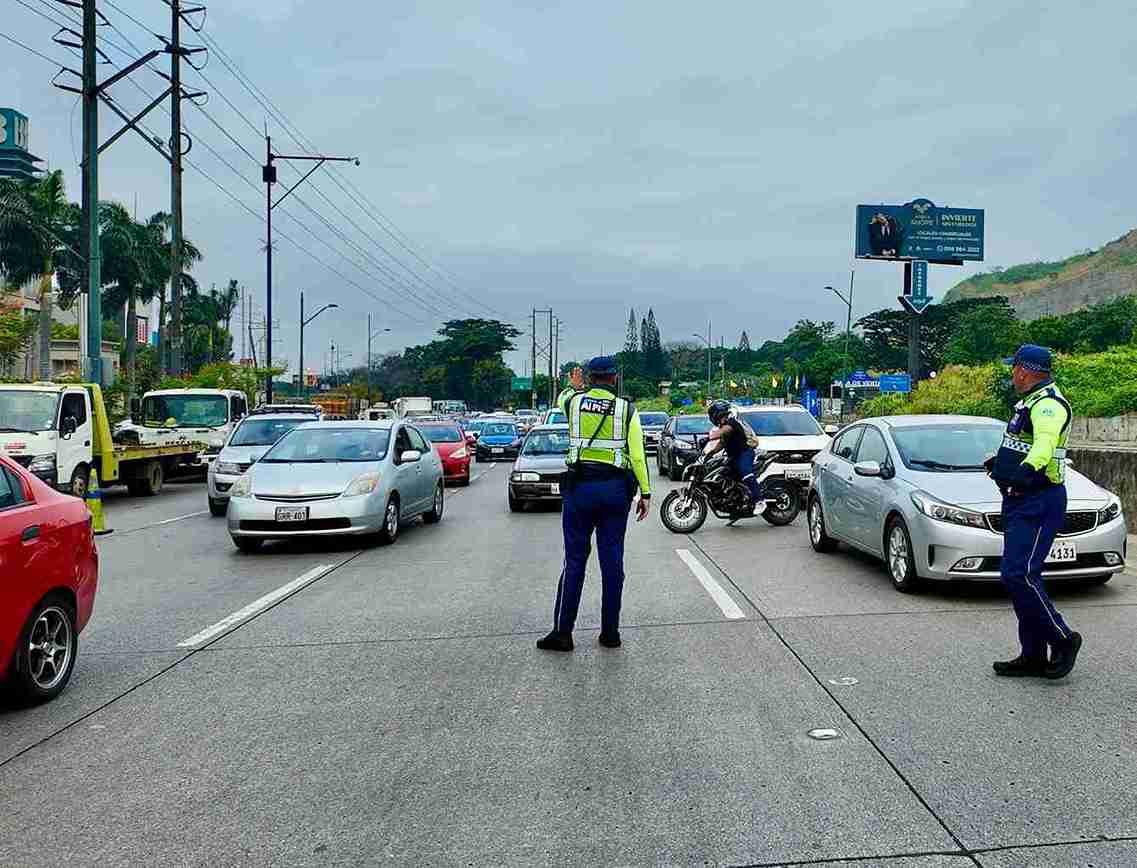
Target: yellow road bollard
(95, 504)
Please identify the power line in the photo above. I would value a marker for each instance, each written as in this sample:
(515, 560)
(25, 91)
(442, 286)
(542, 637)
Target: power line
(31, 50)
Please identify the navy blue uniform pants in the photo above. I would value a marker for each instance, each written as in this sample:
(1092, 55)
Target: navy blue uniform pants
(1030, 523)
(600, 506)
(743, 464)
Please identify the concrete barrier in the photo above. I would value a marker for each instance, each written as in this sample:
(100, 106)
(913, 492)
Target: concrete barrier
(1112, 429)
(1113, 468)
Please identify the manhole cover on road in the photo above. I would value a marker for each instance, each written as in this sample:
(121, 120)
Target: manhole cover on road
(843, 682)
(824, 734)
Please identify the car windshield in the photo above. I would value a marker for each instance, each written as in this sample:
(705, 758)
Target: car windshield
(546, 443)
(693, 425)
(27, 411)
(782, 423)
(959, 448)
(498, 429)
(653, 420)
(556, 418)
(317, 445)
(185, 411)
(262, 432)
(441, 434)
(475, 425)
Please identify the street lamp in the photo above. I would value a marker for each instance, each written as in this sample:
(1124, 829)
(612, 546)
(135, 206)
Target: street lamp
(370, 335)
(707, 340)
(848, 331)
(304, 322)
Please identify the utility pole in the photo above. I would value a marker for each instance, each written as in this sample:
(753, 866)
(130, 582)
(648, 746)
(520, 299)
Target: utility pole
(370, 335)
(552, 383)
(90, 206)
(533, 366)
(175, 187)
(268, 175)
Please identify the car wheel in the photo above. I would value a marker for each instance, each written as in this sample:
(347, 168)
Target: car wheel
(217, 508)
(45, 657)
(150, 482)
(435, 514)
(818, 538)
(899, 557)
(248, 544)
(80, 480)
(515, 505)
(390, 530)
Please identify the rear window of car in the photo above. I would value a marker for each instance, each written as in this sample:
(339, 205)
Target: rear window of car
(498, 429)
(782, 423)
(654, 420)
(441, 433)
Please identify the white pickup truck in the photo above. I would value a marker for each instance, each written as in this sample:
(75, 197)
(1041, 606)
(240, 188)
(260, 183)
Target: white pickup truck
(169, 415)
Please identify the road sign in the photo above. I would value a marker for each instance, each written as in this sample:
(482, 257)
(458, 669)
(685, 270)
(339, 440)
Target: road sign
(895, 383)
(811, 401)
(522, 384)
(919, 230)
(915, 298)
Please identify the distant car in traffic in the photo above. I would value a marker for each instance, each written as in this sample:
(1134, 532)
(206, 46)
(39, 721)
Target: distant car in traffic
(338, 478)
(652, 424)
(913, 491)
(499, 441)
(49, 571)
(453, 448)
(678, 443)
(539, 469)
(249, 441)
(554, 417)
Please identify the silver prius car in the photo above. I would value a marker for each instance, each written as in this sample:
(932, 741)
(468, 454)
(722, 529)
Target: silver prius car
(912, 490)
(330, 478)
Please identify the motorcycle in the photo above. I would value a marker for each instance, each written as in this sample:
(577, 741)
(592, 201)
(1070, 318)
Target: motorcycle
(712, 486)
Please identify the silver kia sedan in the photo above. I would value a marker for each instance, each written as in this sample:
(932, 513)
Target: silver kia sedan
(912, 490)
(337, 478)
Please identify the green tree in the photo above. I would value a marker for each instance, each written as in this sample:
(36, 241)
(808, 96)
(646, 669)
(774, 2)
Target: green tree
(983, 335)
(744, 341)
(654, 359)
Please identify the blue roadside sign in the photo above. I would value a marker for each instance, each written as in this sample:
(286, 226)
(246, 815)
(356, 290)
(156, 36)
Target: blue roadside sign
(895, 383)
(915, 298)
(812, 402)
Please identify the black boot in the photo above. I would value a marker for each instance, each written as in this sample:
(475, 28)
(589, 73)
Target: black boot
(1064, 656)
(556, 641)
(610, 639)
(1020, 667)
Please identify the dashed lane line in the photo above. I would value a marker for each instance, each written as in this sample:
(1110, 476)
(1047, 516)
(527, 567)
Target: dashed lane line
(722, 599)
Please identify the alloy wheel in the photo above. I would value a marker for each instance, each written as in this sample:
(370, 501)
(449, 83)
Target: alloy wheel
(898, 553)
(392, 520)
(815, 528)
(49, 648)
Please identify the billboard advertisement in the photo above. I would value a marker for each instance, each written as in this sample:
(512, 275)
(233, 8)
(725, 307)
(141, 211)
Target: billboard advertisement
(919, 230)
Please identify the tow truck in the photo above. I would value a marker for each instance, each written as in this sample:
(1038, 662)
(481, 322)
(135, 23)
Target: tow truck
(60, 432)
(173, 415)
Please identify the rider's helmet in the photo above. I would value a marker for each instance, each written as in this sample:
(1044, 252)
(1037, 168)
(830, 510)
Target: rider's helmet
(718, 411)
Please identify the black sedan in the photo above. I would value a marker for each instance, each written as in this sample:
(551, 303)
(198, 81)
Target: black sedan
(677, 446)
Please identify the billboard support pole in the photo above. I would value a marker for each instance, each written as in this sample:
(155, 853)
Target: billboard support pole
(914, 347)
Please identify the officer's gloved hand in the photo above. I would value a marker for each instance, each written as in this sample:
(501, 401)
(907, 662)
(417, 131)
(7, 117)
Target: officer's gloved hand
(989, 465)
(1024, 478)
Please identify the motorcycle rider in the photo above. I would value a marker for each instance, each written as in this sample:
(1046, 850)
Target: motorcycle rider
(735, 439)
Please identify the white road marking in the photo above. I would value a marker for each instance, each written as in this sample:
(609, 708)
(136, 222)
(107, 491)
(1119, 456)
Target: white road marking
(179, 517)
(721, 597)
(256, 606)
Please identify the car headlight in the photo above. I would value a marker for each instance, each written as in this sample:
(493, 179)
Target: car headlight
(1110, 512)
(941, 511)
(43, 464)
(684, 446)
(227, 468)
(364, 484)
(243, 487)
(460, 453)
(526, 477)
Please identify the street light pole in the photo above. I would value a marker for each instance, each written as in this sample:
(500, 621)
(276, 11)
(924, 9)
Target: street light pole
(707, 340)
(848, 332)
(304, 322)
(369, 337)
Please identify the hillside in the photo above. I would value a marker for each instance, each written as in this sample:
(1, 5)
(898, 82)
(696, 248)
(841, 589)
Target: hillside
(1038, 289)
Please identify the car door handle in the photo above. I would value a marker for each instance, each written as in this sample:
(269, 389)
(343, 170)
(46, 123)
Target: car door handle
(30, 533)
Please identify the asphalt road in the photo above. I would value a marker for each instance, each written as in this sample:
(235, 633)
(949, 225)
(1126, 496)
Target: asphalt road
(325, 704)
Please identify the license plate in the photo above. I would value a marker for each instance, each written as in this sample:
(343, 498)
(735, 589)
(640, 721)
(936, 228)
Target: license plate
(292, 513)
(555, 487)
(804, 475)
(1062, 552)
(497, 450)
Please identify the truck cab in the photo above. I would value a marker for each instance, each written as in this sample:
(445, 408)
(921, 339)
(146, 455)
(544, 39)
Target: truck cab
(48, 428)
(206, 415)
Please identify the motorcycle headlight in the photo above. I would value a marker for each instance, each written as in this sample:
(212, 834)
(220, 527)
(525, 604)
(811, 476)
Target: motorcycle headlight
(43, 464)
(941, 511)
(1110, 512)
(227, 468)
(243, 487)
(526, 477)
(460, 453)
(364, 484)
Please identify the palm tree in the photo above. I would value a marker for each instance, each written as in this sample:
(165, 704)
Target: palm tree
(35, 220)
(190, 255)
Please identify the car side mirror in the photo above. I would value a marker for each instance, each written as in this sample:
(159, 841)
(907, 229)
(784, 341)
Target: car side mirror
(410, 456)
(135, 410)
(68, 427)
(831, 429)
(868, 468)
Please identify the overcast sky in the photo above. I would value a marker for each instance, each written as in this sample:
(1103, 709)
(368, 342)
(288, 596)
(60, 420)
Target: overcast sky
(701, 159)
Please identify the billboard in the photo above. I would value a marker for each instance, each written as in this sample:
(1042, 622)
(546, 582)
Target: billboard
(919, 230)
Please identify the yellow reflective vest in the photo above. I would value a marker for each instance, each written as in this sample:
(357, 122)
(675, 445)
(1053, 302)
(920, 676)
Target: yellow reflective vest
(604, 429)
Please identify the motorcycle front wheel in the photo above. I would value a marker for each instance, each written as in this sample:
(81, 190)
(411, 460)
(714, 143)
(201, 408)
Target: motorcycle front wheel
(783, 504)
(683, 511)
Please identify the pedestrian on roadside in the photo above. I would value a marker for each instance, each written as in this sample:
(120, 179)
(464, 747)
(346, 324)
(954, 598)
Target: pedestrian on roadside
(606, 466)
(1030, 470)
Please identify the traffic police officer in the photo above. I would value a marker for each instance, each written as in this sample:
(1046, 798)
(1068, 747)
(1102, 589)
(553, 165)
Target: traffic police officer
(606, 466)
(1030, 470)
